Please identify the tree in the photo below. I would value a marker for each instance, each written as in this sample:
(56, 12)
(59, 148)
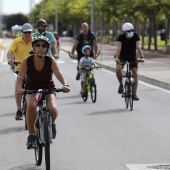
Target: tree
(15, 19)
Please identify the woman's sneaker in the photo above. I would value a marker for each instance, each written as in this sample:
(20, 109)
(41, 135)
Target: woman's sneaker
(120, 90)
(18, 115)
(135, 97)
(31, 142)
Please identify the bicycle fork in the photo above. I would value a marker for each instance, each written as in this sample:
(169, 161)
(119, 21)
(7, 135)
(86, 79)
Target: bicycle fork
(40, 118)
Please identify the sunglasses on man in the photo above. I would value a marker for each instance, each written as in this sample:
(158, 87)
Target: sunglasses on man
(27, 32)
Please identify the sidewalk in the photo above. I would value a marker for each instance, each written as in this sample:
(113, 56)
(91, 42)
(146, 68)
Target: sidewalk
(155, 70)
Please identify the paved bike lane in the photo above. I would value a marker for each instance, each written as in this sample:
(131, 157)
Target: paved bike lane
(155, 70)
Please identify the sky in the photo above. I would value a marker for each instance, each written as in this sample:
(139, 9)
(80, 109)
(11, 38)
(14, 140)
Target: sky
(16, 6)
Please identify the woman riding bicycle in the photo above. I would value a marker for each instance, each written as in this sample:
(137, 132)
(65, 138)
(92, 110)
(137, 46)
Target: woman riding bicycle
(127, 44)
(38, 69)
(85, 61)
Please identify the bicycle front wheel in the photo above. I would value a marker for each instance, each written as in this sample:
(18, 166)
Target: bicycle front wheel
(46, 141)
(132, 88)
(126, 93)
(38, 151)
(93, 91)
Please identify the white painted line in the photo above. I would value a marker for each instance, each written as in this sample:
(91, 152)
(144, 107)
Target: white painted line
(60, 61)
(5, 63)
(74, 61)
(142, 82)
(2, 55)
(148, 166)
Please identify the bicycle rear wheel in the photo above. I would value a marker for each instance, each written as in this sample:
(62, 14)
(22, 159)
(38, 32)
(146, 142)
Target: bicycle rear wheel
(46, 141)
(126, 93)
(132, 88)
(93, 91)
(38, 151)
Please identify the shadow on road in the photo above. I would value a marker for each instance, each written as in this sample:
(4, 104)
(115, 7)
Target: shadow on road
(8, 114)
(6, 97)
(11, 130)
(27, 167)
(114, 111)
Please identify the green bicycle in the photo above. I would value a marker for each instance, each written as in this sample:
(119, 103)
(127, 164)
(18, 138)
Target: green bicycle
(90, 84)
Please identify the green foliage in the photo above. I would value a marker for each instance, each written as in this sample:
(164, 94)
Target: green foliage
(15, 19)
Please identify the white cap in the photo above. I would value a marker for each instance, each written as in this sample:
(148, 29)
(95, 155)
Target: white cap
(27, 27)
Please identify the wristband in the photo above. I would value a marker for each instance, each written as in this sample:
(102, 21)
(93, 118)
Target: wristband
(66, 85)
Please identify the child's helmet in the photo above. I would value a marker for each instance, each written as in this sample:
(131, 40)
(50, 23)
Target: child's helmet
(85, 47)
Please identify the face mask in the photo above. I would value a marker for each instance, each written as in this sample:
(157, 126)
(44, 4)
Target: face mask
(130, 34)
(41, 31)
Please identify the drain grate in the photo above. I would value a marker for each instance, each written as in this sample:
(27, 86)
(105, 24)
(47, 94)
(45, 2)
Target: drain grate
(159, 167)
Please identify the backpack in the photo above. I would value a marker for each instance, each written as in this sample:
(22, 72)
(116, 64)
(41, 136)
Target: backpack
(80, 44)
(30, 58)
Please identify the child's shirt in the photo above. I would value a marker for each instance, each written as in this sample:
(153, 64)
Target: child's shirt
(87, 62)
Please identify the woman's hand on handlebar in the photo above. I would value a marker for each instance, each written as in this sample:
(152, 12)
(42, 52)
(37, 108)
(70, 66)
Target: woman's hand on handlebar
(117, 60)
(142, 60)
(21, 91)
(66, 88)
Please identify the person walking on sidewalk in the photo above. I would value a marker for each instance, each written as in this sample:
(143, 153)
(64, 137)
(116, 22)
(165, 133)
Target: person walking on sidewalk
(85, 37)
(127, 43)
(20, 48)
(41, 25)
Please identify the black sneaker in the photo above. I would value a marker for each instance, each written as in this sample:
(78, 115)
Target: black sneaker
(120, 90)
(18, 115)
(78, 76)
(54, 130)
(135, 97)
(84, 95)
(31, 142)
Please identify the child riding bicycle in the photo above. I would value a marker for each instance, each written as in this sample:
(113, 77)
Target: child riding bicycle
(85, 62)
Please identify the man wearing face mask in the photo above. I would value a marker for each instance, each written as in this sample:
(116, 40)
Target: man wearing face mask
(127, 43)
(41, 25)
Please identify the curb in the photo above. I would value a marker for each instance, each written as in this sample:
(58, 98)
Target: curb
(142, 78)
(146, 79)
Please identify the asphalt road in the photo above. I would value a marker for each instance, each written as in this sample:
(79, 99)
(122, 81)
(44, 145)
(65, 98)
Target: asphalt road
(91, 136)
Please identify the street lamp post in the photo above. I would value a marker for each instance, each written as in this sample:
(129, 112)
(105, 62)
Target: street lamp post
(1, 24)
(92, 16)
(56, 16)
(101, 38)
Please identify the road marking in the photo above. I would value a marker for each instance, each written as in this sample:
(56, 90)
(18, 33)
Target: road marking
(60, 61)
(148, 166)
(142, 82)
(2, 55)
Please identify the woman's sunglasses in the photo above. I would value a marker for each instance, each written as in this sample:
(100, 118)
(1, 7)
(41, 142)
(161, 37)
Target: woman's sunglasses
(41, 45)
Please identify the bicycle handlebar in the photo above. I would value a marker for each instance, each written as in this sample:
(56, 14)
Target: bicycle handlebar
(44, 91)
(126, 62)
(16, 63)
(74, 57)
(90, 68)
